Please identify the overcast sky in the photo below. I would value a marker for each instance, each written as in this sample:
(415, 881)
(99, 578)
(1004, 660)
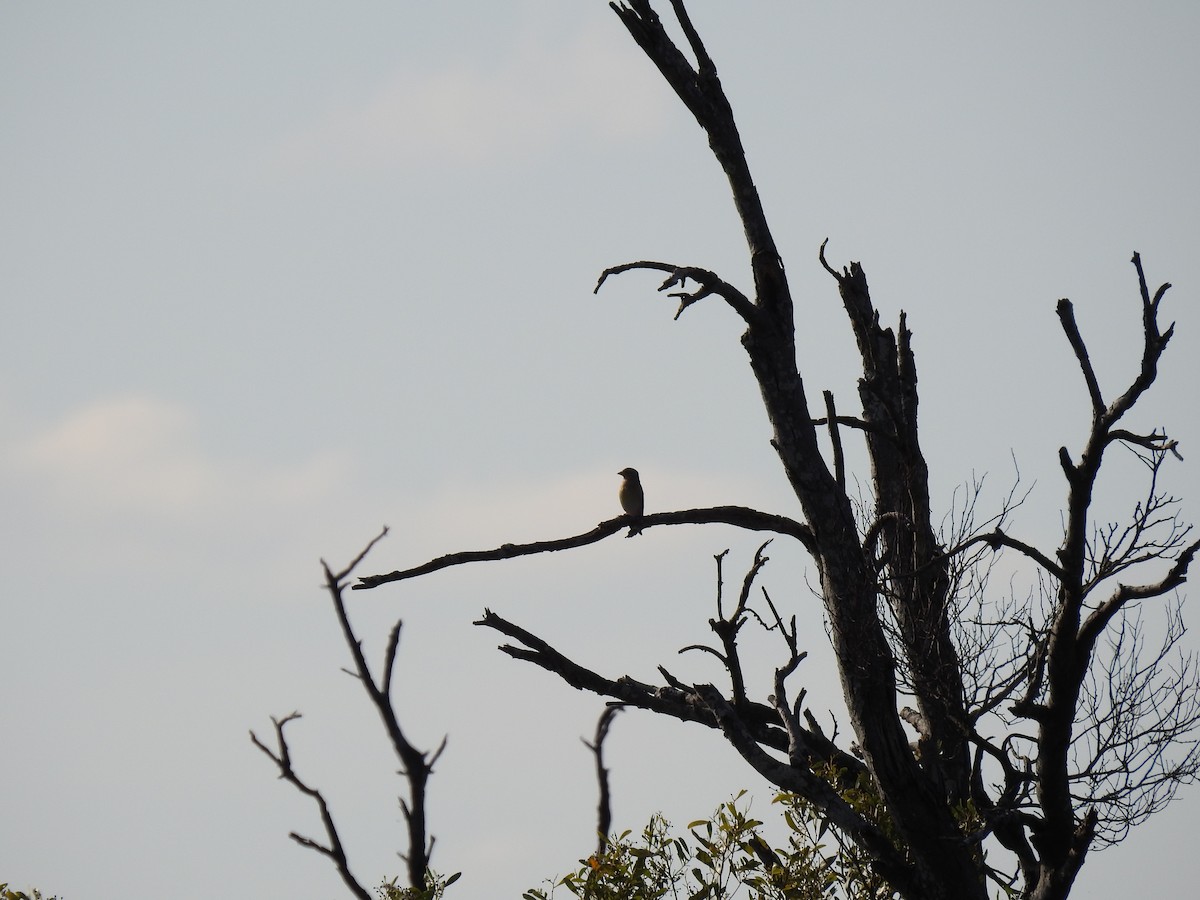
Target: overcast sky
(276, 274)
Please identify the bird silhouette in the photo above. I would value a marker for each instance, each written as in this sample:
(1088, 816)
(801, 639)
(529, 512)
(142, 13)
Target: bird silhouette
(632, 499)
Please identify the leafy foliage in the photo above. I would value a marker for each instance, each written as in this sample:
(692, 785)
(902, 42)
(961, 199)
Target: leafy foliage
(435, 888)
(724, 856)
(7, 894)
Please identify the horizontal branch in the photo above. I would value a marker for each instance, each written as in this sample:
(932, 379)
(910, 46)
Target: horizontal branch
(850, 422)
(738, 516)
(1155, 442)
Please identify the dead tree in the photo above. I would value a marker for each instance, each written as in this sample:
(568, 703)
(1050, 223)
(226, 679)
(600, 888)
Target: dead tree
(416, 765)
(1044, 726)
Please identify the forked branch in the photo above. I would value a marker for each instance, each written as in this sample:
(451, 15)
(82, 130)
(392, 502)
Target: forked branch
(334, 850)
(417, 766)
(708, 284)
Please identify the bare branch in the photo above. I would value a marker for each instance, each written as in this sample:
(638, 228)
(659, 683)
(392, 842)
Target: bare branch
(1124, 594)
(1139, 711)
(727, 627)
(416, 765)
(1066, 315)
(334, 850)
(835, 438)
(704, 63)
(739, 516)
(996, 538)
(604, 805)
(1153, 441)
(701, 91)
(675, 699)
(710, 284)
(345, 573)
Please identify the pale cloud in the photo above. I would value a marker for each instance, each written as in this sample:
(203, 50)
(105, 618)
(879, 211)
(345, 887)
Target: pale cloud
(129, 484)
(528, 104)
(138, 455)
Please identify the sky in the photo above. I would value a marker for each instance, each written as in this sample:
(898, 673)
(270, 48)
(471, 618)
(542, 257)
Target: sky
(277, 274)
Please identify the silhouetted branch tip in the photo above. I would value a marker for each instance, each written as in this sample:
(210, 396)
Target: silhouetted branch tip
(708, 282)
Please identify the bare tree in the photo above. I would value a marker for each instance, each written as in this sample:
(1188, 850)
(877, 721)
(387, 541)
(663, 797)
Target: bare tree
(416, 765)
(1044, 724)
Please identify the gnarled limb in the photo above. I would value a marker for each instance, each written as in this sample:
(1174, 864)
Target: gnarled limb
(670, 701)
(699, 87)
(675, 698)
(914, 578)
(742, 721)
(753, 724)
(710, 284)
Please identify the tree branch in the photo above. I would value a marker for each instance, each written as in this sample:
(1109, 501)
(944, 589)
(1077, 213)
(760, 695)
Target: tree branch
(701, 91)
(675, 699)
(710, 284)
(1072, 640)
(1103, 614)
(1066, 315)
(996, 538)
(604, 804)
(416, 765)
(334, 851)
(835, 439)
(738, 516)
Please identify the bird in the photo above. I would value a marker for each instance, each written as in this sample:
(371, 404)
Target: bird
(632, 499)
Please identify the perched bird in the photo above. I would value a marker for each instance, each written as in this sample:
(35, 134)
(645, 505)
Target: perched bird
(632, 500)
